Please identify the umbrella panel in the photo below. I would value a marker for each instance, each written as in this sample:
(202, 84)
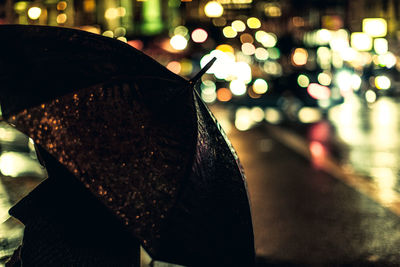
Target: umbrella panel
(131, 158)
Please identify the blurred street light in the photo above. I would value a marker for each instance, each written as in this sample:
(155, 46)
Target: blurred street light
(213, 9)
(34, 12)
(361, 41)
(375, 27)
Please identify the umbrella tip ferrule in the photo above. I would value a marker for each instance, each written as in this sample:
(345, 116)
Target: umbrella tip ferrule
(202, 71)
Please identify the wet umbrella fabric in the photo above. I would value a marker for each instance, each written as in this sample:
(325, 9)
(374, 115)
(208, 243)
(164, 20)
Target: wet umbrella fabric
(135, 135)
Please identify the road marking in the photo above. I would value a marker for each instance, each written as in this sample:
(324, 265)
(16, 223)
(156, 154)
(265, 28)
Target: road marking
(386, 197)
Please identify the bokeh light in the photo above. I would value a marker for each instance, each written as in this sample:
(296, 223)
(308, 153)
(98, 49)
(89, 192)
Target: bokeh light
(229, 32)
(62, 5)
(248, 49)
(253, 23)
(224, 94)
(225, 48)
(318, 91)
(375, 27)
(299, 57)
(238, 25)
(246, 38)
(242, 71)
(324, 79)
(273, 115)
(181, 30)
(382, 82)
(370, 96)
(178, 42)
(108, 34)
(61, 18)
(238, 87)
(208, 93)
(361, 41)
(261, 54)
(34, 12)
(111, 13)
(309, 115)
(381, 46)
(260, 86)
(174, 66)
(199, 35)
(257, 114)
(213, 9)
(243, 121)
(303, 81)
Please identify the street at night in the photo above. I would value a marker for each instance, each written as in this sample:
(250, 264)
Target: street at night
(308, 93)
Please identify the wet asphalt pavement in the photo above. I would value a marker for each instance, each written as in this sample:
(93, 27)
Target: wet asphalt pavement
(304, 216)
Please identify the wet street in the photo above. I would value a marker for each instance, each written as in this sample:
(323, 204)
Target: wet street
(326, 193)
(322, 194)
(305, 215)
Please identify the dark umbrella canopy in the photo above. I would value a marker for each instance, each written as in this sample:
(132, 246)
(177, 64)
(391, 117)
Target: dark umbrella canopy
(135, 135)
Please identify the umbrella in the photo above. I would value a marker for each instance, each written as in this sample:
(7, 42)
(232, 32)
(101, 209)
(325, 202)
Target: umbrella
(137, 136)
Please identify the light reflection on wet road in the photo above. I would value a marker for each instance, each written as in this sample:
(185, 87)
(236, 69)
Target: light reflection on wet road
(372, 138)
(312, 212)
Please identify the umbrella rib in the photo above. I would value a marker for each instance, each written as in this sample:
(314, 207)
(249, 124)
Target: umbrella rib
(202, 71)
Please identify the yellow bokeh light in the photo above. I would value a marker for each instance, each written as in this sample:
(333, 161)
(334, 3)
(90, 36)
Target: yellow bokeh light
(266, 39)
(111, 13)
(260, 35)
(243, 120)
(260, 86)
(381, 46)
(122, 39)
(34, 12)
(121, 11)
(272, 10)
(20, 6)
(370, 96)
(186, 67)
(361, 41)
(309, 115)
(61, 5)
(261, 54)
(181, 30)
(109, 34)
(229, 32)
(238, 25)
(375, 27)
(238, 87)
(257, 114)
(303, 81)
(225, 48)
(61, 18)
(300, 57)
(253, 23)
(178, 42)
(382, 82)
(324, 79)
(89, 5)
(213, 9)
(273, 115)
